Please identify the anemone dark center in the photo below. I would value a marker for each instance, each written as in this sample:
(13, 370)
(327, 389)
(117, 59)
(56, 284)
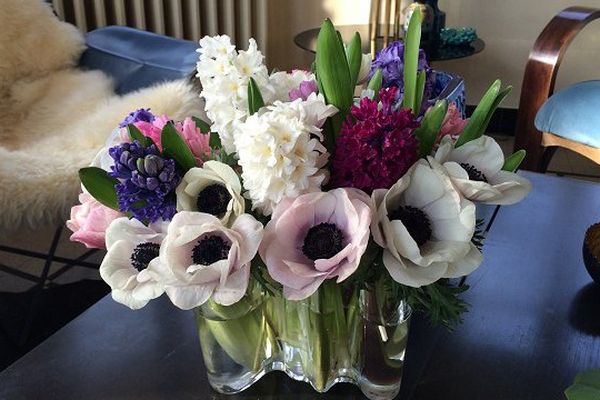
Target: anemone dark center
(474, 173)
(213, 200)
(416, 222)
(143, 254)
(210, 250)
(323, 241)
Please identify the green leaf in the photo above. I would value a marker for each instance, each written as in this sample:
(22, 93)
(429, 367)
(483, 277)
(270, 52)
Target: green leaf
(100, 185)
(136, 134)
(255, 99)
(175, 147)
(430, 127)
(421, 76)
(202, 125)
(333, 73)
(440, 301)
(412, 41)
(477, 123)
(586, 386)
(499, 98)
(215, 141)
(354, 56)
(513, 161)
(376, 82)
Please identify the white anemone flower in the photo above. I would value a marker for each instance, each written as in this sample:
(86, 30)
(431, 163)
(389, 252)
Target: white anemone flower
(213, 189)
(425, 227)
(476, 170)
(201, 258)
(132, 248)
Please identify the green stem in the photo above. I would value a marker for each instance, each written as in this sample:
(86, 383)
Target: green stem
(242, 330)
(323, 320)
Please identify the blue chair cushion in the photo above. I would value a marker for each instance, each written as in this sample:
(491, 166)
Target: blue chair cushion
(573, 113)
(136, 59)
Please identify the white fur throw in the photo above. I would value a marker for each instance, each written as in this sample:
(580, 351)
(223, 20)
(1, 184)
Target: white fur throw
(53, 117)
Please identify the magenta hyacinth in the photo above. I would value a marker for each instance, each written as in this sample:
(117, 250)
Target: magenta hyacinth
(376, 145)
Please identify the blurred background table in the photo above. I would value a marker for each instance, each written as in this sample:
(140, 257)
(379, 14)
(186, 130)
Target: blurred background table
(533, 325)
(307, 40)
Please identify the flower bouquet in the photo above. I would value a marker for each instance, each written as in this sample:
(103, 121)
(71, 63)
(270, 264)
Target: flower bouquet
(303, 224)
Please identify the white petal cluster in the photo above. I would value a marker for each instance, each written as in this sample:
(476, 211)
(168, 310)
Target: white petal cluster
(189, 284)
(448, 252)
(284, 82)
(484, 156)
(224, 74)
(129, 286)
(212, 173)
(280, 152)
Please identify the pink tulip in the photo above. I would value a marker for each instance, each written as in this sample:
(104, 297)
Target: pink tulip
(314, 237)
(89, 221)
(195, 139)
(453, 123)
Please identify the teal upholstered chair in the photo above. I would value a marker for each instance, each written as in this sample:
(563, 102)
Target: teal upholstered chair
(569, 118)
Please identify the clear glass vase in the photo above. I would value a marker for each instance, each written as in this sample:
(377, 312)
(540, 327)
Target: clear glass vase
(237, 342)
(327, 338)
(383, 345)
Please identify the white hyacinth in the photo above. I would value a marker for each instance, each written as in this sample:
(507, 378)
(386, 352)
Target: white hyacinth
(224, 74)
(284, 82)
(280, 152)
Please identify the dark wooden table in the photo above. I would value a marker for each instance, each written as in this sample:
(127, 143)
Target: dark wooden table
(307, 40)
(534, 323)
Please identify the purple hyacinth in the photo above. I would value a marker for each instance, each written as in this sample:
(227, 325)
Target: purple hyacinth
(147, 181)
(143, 114)
(391, 62)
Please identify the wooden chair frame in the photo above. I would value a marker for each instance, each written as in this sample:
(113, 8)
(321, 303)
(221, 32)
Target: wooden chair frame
(538, 84)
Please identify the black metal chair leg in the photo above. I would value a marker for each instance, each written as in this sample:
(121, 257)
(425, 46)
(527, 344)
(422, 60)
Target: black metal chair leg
(546, 158)
(39, 287)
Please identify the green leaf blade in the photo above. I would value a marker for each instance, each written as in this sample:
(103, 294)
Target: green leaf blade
(255, 99)
(135, 134)
(376, 82)
(477, 123)
(421, 77)
(333, 73)
(100, 185)
(497, 101)
(430, 126)
(202, 125)
(354, 56)
(175, 147)
(411, 60)
(513, 161)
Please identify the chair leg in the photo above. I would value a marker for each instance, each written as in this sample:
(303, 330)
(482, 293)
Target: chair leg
(546, 158)
(39, 287)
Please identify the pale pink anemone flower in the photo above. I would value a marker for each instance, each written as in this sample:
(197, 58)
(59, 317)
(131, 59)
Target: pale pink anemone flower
(314, 237)
(195, 139)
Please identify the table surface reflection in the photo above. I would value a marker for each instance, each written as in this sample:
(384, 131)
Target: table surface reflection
(534, 324)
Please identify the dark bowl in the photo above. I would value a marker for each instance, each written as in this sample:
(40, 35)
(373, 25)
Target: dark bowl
(591, 261)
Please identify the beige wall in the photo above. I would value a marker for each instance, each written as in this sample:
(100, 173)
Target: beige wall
(289, 17)
(508, 27)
